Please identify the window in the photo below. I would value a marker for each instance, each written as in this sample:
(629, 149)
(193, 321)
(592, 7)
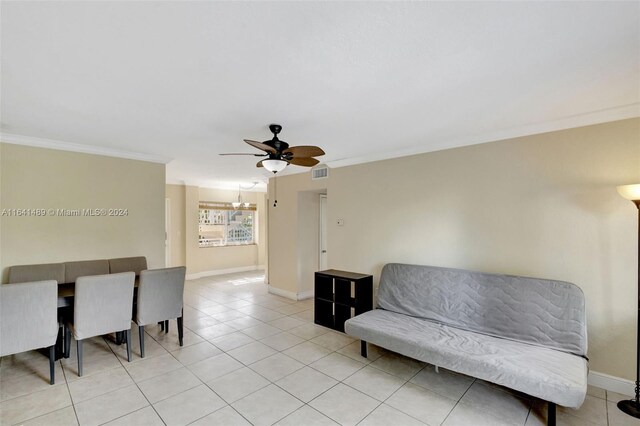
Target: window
(220, 224)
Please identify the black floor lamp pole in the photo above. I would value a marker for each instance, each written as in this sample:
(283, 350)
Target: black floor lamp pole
(632, 406)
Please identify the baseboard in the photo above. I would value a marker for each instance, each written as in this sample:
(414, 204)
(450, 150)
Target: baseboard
(289, 294)
(611, 383)
(280, 292)
(223, 271)
(305, 295)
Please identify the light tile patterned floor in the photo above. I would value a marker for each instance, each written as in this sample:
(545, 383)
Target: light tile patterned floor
(254, 358)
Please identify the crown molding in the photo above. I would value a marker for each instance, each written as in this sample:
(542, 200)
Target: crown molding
(261, 187)
(76, 147)
(598, 117)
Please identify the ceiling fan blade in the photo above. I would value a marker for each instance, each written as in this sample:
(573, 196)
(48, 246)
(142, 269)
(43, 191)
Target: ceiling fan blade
(304, 151)
(244, 153)
(304, 161)
(262, 146)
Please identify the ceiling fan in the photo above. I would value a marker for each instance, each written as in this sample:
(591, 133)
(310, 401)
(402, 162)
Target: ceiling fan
(279, 154)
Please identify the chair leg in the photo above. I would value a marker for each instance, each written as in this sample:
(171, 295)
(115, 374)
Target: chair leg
(127, 334)
(67, 342)
(166, 326)
(79, 343)
(52, 364)
(363, 348)
(63, 346)
(180, 330)
(141, 333)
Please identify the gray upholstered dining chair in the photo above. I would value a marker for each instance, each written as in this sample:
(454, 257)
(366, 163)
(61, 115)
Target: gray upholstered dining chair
(29, 319)
(160, 298)
(102, 305)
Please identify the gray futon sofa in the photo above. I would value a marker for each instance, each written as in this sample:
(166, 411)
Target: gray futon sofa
(526, 334)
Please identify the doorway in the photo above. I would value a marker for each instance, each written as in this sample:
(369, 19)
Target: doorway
(167, 232)
(322, 250)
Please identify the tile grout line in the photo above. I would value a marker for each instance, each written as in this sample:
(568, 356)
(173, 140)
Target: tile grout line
(403, 385)
(462, 396)
(198, 378)
(138, 387)
(73, 405)
(277, 351)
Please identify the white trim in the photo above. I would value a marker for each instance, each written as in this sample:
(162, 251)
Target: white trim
(598, 117)
(289, 294)
(229, 186)
(611, 383)
(305, 295)
(280, 292)
(167, 232)
(223, 271)
(76, 147)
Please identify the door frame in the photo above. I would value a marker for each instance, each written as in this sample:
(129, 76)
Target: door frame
(322, 230)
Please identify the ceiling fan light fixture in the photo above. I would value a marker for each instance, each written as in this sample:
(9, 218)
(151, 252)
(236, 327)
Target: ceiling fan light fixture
(274, 166)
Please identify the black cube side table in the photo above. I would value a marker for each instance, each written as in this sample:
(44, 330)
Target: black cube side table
(340, 295)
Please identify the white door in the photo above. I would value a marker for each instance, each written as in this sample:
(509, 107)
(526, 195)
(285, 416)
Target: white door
(167, 233)
(323, 232)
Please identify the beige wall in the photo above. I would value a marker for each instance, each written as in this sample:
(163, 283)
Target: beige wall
(287, 259)
(176, 196)
(207, 259)
(542, 206)
(38, 178)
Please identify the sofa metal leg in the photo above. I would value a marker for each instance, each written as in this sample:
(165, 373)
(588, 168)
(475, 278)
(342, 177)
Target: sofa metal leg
(52, 364)
(166, 326)
(363, 348)
(551, 414)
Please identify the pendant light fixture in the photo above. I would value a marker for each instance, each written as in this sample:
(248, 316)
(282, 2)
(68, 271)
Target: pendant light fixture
(239, 203)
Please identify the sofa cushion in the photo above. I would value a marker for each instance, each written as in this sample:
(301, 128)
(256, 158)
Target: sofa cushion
(545, 373)
(41, 272)
(128, 264)
(84, 268)
(542, 312)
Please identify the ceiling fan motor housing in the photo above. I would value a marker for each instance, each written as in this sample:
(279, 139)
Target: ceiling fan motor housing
(275, 128)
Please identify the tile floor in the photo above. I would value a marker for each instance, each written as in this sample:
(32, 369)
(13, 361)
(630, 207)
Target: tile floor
(254, 358)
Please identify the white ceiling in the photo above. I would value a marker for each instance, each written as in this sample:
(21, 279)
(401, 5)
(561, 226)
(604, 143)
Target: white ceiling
(188, 80)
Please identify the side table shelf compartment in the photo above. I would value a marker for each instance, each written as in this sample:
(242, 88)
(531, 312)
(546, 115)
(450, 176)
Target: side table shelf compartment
(340, 295)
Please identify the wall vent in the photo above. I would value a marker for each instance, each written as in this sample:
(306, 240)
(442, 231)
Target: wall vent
(320, 172)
